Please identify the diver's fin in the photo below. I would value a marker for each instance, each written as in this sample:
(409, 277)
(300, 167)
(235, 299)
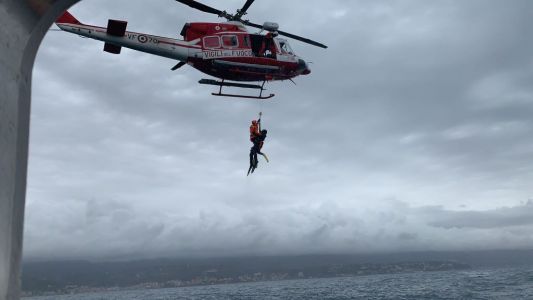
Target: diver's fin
(266, 158)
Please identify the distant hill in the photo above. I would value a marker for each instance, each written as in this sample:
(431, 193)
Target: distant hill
(74, 276)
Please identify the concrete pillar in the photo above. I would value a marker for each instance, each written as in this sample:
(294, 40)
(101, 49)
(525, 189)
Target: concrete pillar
(23, 24)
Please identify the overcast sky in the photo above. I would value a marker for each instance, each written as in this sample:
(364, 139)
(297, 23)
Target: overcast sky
(413, 132)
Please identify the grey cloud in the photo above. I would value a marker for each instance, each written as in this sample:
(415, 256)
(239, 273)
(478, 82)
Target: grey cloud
(406, 236)
(426, 102)
(496, 218)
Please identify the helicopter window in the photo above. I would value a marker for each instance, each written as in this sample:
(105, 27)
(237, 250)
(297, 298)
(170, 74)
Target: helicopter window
(285, 47)
(246, 41)
(230, 41)
(212, 42)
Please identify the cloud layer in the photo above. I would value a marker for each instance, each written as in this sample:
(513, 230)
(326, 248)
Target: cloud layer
(413, 132)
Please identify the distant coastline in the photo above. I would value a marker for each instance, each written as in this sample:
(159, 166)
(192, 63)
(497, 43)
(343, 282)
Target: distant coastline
(75, 277)
(45, 286)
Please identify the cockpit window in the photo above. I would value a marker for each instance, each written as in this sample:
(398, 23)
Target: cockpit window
(285, 47)
(230, 41)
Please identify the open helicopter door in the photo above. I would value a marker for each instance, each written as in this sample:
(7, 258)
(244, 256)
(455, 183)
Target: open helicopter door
(115, 28)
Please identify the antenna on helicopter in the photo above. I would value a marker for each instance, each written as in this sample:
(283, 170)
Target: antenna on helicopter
(238, 17)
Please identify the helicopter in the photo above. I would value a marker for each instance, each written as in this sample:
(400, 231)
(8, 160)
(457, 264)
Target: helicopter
(226, 50)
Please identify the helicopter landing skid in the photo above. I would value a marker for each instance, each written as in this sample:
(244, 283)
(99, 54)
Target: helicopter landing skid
(244, 96)
(239, 85)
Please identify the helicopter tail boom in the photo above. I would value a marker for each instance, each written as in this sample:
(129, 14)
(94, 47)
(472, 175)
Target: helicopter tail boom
(115, 37)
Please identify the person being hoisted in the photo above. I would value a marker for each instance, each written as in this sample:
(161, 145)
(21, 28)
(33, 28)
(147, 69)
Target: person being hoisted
(257, 137)
(255, 129)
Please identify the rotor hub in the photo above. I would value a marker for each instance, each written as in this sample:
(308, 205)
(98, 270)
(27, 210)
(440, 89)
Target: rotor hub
(271, 26)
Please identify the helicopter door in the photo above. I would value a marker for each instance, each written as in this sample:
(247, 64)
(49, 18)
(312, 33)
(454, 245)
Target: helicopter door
(263, 46)
(257, 43)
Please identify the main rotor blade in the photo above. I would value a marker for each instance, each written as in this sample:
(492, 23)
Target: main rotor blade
(202, 7)
(302, 39)
(248, 23)
(290, 35)
(243, 10)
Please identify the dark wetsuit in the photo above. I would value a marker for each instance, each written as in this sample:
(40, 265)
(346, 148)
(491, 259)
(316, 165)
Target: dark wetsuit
(256, 149)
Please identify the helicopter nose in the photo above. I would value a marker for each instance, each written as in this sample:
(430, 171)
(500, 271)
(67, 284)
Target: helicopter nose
(303, 68)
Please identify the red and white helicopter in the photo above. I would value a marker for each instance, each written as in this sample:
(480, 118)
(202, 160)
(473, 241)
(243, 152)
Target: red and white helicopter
(223, 50)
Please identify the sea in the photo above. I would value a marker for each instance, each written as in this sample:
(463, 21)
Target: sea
(484, 283)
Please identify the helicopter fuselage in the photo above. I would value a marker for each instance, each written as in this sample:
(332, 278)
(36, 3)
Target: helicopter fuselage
(223, 50)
